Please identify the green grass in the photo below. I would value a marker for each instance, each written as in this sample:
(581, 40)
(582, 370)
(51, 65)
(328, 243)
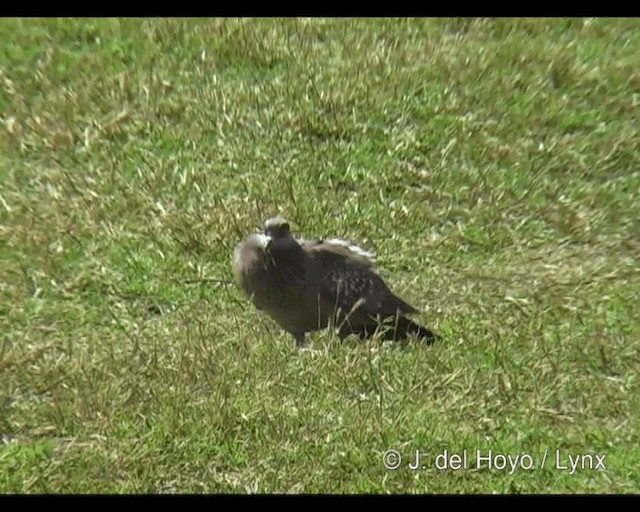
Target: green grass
(493, 165)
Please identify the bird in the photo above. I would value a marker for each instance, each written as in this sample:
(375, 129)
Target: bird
(309, 285)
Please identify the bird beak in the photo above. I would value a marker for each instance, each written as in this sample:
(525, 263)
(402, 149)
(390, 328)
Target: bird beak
(267, 253)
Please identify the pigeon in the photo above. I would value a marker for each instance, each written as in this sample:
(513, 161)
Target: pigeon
(309, 285)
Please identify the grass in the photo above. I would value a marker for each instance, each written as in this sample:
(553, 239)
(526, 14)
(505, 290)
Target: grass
(493, 165)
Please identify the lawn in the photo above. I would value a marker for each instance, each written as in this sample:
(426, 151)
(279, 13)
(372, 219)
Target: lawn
(492, 165)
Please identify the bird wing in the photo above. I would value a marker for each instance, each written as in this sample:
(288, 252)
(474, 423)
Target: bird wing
(349, 282)
(341, 247)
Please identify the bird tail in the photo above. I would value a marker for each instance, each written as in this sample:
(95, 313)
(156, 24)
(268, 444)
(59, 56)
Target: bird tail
(405, 327)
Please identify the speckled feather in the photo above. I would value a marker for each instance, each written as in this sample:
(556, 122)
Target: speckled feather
(347, 279)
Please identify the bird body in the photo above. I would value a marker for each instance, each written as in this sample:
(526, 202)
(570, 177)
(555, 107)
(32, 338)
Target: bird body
(310, 285)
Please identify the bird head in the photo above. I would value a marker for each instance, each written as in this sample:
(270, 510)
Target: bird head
(279, 237)
(276, 227)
